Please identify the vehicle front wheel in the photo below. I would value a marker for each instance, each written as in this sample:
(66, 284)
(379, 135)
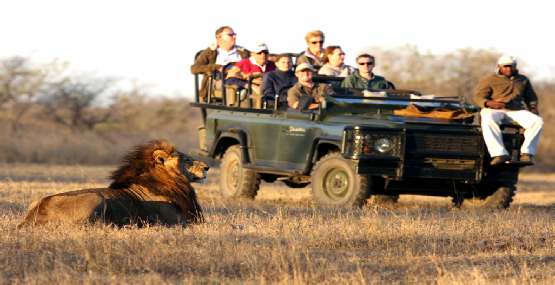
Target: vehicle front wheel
(336, 183)
(235, 180)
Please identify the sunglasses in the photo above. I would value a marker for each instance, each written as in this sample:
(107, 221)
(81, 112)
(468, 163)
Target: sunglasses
(232, 34)
(317, 42)
(262, 52)
(365, 63)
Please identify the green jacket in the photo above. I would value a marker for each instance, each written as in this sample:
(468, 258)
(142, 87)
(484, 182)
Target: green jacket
(205, 63)
(358, 82)
(515, 91)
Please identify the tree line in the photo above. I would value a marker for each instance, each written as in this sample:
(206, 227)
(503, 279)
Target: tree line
(49, 116)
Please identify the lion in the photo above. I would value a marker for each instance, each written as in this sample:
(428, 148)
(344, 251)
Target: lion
(151, 187)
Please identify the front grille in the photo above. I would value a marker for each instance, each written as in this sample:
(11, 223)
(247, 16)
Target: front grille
(442, 144)
(443, 155)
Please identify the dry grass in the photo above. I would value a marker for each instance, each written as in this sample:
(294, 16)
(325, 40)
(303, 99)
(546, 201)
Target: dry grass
(281, 238)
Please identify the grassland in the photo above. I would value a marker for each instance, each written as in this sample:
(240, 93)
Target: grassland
(281, 237)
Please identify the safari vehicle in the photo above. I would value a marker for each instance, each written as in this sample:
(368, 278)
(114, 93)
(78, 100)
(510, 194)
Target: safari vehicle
(357, 145)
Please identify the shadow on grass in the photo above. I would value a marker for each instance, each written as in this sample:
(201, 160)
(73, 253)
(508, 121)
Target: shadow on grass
(50, 178)
(536, 207)
(12, 208)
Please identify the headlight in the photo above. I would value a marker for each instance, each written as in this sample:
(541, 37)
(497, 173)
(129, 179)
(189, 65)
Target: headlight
(383, 145)
(370, 142)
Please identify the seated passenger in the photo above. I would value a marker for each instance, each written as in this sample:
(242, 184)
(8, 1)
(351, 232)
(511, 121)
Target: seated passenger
(334, 59)
(306, 94)
(251, 68)
(507, 94)
(364, 78)
(217, 58)
(314, 54)
(277, 82)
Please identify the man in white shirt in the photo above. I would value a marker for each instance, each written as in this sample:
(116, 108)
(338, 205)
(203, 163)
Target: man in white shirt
(217, 58)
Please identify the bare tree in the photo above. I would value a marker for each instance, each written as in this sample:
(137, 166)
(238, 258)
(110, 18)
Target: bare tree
(465, 67)
(74, 103)
(20, 83)
(452, 74)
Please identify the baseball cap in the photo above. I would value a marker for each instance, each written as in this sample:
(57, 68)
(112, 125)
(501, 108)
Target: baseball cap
(260, 47)
(506, 60)
(304, 66)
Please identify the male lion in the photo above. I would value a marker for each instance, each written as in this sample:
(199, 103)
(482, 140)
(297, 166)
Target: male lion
(152, 186)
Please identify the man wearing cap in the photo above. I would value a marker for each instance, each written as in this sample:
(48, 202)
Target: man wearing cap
(218, 57)
(306, 94)
(508, 94)
(252, 68)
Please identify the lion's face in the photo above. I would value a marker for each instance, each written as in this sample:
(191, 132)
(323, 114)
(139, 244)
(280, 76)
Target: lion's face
(179, 163)
(194, 170)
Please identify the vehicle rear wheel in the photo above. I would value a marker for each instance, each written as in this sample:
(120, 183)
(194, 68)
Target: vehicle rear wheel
(336, 183)
(235, 180)
(500, 197)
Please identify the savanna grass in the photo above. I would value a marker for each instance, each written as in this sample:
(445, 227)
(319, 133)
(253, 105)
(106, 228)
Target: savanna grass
(281, 237)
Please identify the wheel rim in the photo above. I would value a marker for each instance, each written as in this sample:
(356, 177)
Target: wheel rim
(336, 184)
(233, 175)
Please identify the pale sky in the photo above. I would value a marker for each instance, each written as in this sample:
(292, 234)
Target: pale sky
(153, 42)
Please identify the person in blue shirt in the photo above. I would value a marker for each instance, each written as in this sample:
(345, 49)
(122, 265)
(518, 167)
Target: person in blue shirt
(278, 82)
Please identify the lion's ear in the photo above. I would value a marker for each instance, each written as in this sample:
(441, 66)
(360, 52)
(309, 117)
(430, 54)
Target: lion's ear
(159, 156)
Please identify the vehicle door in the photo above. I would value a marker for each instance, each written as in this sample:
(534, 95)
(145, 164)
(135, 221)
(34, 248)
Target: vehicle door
(296, 135)
(263, 131)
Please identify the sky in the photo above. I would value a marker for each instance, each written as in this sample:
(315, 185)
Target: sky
(153, 43)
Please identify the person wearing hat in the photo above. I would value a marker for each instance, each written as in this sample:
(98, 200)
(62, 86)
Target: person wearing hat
(253, 66)
(306, 94)
(252, 69)
(508, 95)
(218, 57)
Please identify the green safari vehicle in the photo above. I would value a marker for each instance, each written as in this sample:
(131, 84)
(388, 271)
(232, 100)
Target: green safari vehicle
(357, 145)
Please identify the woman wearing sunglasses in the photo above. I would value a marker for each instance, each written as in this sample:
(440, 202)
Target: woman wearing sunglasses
(314, 53)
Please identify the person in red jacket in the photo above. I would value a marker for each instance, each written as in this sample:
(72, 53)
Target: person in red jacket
(251, 69)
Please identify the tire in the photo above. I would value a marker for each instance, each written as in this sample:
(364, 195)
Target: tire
(235, 180)
(336, 183)
(384, 199)
(500, 197)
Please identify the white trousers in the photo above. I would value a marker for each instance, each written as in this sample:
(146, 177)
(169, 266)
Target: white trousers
(491, 118)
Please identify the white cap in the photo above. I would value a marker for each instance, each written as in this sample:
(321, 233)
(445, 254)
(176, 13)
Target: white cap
(260, 47)
(506, 60)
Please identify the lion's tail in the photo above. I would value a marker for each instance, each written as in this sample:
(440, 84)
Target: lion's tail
(32, 214)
